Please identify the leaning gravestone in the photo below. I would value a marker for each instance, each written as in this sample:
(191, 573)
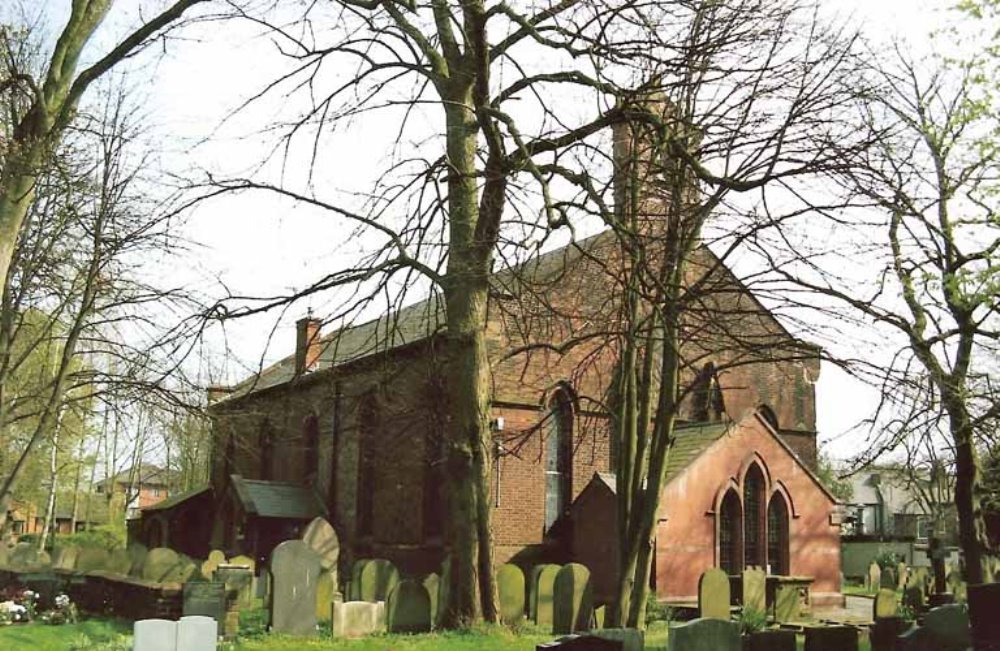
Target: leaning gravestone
(884, 604)
(322, 537)
(704, 635)
(572, 599)
(207, 599)
(325, 593)
(510, 586)
(754, 589)
(378, 578)
(154, 635)
(950, 627)
(159, 562)
(831, 638)
(713, 595)
(294, 569)
(357, 618)
(197, 633)
(408, 608)
(535, 586)
(874, 577)
(432, 582)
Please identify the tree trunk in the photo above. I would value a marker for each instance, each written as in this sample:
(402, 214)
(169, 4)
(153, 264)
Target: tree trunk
(968, 489)
(50, 503)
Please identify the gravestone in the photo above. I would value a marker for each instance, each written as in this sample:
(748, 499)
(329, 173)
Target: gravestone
(884, 604)
(354, 587)
(325, 594)
(137, 557)
(884, 632)
(154, 635)
(26, 556)
(378, 578)
(888, 579)
(572, 599)
(90, 559)
(197, 633)
(250, 593)
(119, 562)
(159, 562)
(586, 642)
(4, 555)
(754, 589)
(770, 640)
(432, 582)
(510, 586)
(64, 558)
(215, 559)
(937, 553)
(874, 577)
(357, 618)
(238, 580)
(913, 598)
(950, 627)
(831, 638)
(917, 638)
(704, 635)
(408, 608)
(322, 537)
(182, 572)
(984, 604)
(632, 639)
(713, 595)
(533, 587)
(207, 599)
(545, 591)
(902, 574)
(294, 571)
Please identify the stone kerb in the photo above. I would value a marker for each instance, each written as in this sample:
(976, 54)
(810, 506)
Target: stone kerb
(572, 599)
(543, 578)
(713, 595)
(294, 571)
(510, 586)
(408, 608)
(357, 618)
(704, 635)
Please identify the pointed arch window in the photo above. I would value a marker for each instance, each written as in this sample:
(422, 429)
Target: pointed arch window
(310, 445)
(753, 517)
(731, 533)
(266, 451)
(777, 535)
(558, 457)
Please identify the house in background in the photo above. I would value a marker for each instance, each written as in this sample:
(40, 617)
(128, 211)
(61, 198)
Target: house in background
(141, 486)
(29, 518)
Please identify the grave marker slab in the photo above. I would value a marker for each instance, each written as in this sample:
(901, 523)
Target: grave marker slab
(154, 635)
(433, 584)
(324, 595)
(572, 599)
(197, 633)
(543, 578)
(773, 640)
(884, 604)
(510, 586)
(950, 627)
(408, 609)
(632, 639)
(917, 638)
(704, 635)
(294, 572)
(357, 618)
(755, 589)
(874, 577)
(378, 578)
(207, 599)
(713, 595)
(64, 558)
(159, 562)
(322, 537)
(884, 632)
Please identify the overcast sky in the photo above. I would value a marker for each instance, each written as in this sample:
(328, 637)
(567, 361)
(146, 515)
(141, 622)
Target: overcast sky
(258, 245)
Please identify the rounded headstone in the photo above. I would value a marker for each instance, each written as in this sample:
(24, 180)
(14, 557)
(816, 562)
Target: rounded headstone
(432, 582)
(510, 587)
(159, 562)
(713, 594)
(294, 570)
(322, 537)
(408, 608)
(378, 578)
(92, 558)
(572, 600)
(543, 581)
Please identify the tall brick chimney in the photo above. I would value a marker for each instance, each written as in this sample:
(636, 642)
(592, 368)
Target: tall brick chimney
(307, 344)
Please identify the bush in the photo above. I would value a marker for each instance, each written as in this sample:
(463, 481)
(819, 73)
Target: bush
(752, 620)
(657, 612)
(887, 560)
(30, 538)
(103, 537)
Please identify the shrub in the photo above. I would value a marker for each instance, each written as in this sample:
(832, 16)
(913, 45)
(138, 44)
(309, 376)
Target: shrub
(752, 620)
(655, 611)
(103, 537)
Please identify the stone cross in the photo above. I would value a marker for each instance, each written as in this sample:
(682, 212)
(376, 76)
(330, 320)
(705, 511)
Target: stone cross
(294, 570)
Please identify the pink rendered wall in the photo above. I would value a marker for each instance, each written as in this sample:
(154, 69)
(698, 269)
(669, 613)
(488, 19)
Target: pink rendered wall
(686, 534)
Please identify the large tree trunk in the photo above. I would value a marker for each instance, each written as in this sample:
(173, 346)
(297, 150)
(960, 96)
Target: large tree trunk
(968, 489)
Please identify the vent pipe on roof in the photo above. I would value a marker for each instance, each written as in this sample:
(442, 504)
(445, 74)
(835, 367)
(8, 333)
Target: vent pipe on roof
(307, 344)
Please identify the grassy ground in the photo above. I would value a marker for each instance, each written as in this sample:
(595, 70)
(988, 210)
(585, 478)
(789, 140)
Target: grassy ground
(88, 635)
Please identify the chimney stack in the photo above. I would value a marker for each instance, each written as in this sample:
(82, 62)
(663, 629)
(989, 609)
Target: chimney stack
(307, 344)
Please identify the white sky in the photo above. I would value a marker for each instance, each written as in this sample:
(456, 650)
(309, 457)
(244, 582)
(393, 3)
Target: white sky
(258, 245)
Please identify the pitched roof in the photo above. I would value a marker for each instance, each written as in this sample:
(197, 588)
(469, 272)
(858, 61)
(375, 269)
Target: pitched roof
(174, 500)
(275, 499)
(690, 442)
(148, 473)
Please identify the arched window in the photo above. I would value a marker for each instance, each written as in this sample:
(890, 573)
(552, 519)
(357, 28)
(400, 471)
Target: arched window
(266, 445)
(706, 396)
(558, 457)
(777, 535)
(368, 427)
(753, 517)
(768, 414)
(731, 533)
(310, 446)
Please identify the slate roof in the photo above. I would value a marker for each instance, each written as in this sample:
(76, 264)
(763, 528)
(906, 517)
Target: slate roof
(276, 499)
(174, 500)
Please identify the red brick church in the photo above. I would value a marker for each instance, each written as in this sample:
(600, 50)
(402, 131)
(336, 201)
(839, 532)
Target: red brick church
(348, 427)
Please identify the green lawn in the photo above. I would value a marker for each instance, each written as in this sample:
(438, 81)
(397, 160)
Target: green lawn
(88, 635)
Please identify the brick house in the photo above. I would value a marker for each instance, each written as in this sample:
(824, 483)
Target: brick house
(140, 487)
(348, 427)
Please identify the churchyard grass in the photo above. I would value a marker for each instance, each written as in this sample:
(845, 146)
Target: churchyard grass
(87, 635)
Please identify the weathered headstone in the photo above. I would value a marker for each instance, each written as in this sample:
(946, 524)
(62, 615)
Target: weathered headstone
(4, 555)
(205, 598)
(874, 577)
(378, 578)
(713, 595)
(357, 618)
(322, 537)
(119, 562)
(64, 558)
(831, 638)
(27, 556)
(754, 589)
(884, 632)
(197, 633)
(543, 578)
(408, 608)
(433, 584)
(884, 604)
(238, 579)
(294, 571)
(154, 635)
(913, 598)
(916, 638)
(215, 558)
(325, 594)
(950, 627)
(159, 562)
(902, 575)
(510, 586)
(137, 557)
(354, 585)
(888, 579)
(91, 559)
(572, 599)
(184, 571)
(704, 635)
(632, 639)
